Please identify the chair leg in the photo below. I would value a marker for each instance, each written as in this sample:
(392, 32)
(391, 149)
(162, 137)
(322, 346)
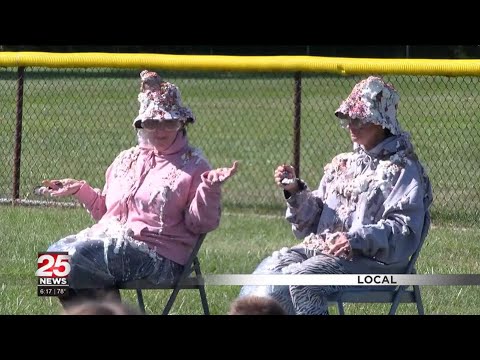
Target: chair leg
(201, 288)
(396, 299)
(418, 299)
(339, 301)
(141, 303)
(341, 310)
(171, 300)
(203, 297)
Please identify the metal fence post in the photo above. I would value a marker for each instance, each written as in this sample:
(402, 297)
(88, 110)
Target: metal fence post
(18, 137)
(296, 122)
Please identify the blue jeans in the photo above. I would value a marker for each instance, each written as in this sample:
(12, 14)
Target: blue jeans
(102, 263)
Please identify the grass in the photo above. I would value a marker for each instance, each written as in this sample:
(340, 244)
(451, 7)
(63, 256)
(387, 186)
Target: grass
(236, 247)
(76, 121)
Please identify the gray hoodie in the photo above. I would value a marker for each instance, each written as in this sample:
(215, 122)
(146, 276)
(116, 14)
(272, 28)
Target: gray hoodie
(380, 198)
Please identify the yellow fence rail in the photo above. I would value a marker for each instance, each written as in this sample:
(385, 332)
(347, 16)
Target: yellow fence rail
(339, 66)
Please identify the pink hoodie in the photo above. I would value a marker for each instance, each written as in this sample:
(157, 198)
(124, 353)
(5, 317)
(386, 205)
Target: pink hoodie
(165, 199)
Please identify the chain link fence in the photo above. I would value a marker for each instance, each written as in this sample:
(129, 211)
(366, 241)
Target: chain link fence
(73, 123)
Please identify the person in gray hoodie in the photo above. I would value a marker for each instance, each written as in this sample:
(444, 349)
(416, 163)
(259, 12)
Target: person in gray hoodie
(370, 212)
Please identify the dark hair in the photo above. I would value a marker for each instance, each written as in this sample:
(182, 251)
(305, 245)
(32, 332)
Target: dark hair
(256, 305)
(185, 125)
(100, 307)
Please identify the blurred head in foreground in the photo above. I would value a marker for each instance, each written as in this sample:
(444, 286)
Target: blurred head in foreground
(99, 307)
(256, 305)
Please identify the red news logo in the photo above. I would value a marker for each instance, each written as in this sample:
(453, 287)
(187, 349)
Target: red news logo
(53, 265)
(52, 271)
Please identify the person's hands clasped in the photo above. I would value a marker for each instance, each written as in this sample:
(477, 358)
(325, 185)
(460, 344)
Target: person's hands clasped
(220, 175)
(285, 178)
(339, 245)
(63, 187)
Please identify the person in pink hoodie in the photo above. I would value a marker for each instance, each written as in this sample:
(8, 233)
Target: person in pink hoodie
(159, 196)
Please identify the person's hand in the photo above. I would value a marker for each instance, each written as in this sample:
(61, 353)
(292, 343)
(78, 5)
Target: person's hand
(285, 178)
(62, 187)
(338, 245)
(220, 175)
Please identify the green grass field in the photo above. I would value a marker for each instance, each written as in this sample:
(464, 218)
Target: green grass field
(236, 247)
(76, 121)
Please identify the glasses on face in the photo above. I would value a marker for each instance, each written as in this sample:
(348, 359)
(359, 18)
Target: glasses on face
(353, 123)
(163, 125)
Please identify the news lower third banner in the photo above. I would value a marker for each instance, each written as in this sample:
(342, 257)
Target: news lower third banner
(339, 279)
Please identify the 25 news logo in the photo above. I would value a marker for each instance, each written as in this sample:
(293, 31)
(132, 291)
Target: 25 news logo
(52, 271)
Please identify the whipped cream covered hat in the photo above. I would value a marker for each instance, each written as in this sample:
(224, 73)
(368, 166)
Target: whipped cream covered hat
(160, 100)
